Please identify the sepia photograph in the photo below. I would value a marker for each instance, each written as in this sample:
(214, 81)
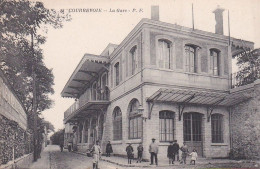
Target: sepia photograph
(117, 84)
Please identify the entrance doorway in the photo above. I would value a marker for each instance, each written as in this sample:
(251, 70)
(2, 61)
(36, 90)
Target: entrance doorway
(192, 131)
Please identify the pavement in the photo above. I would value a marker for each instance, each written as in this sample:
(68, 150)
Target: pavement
(52, 158)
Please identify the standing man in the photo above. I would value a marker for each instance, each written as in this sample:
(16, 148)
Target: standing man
(109, 149)
(176, 148)
(96, 154)
(140, 150)
(129, 150)
(153, 150)
(184, 153)
(170, 153)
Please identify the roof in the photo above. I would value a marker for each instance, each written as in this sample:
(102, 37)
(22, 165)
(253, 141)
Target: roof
(87, 68)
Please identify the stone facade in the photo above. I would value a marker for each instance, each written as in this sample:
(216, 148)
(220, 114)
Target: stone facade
(245, 124)
(139, 80)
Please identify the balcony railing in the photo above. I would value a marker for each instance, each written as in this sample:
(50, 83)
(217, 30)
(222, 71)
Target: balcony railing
(246, 76)
(86, 97)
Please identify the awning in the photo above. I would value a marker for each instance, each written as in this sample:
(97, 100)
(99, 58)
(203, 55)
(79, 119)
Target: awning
(87, 69)
(209, 99)
(198, 97)
(87, 108)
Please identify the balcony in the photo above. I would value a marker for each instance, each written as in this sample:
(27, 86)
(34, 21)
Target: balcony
(87, 102)
(246, 76)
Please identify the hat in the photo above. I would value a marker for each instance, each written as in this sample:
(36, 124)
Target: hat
(174, 140)
(153, 139)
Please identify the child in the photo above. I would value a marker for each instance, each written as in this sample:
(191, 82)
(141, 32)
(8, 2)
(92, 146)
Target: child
(140, 150)
(194, 156)
(96, 155)
(129, 150)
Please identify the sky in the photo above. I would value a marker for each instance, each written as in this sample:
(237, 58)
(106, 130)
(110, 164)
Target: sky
(91, 32)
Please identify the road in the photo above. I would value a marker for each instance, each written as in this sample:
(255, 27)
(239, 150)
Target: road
(52, 158)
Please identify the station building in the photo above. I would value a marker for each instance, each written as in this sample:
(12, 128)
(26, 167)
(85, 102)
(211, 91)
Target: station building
(163, 81)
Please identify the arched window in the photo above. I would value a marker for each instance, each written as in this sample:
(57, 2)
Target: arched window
(164, 52)
(135, 121)
(116, 67)
(217, 128)
(94, 91)
(166, 125)
(117, 124)
(190, 54)
(214, 53)
(133, 60)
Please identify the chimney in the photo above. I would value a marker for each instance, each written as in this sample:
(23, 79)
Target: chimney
(155, 13)
(219, 20)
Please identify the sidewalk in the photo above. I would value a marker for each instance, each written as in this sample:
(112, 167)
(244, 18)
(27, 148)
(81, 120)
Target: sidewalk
(121, 161)
(43, 162)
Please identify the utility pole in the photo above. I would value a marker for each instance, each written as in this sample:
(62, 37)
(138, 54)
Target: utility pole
(35, 128)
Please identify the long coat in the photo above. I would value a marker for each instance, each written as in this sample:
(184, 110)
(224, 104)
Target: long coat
(109, 148)
(129, 150)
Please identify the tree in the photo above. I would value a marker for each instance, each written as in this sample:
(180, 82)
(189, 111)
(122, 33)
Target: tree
(18, 21)
(249, 67)
(58, 137)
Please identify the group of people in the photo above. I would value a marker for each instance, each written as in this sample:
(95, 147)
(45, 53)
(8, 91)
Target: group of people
(172, 153)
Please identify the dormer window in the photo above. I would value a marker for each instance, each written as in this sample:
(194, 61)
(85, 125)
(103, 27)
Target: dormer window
(164, 52)
(214, 54)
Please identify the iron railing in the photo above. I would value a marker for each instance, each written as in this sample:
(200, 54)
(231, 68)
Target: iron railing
(86, 97)
(245, 76)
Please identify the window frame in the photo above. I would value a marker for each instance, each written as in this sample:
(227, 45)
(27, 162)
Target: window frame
(215, 72)
(135, 121)
(163, 118)
(161, 57)
(117, 124)
(117, 73)
(94, 90)
(194, 67)
(133, 59)
(217, 128)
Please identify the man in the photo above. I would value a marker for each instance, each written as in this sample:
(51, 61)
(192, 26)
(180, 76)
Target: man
(170, 153)
(184, 154)
(129, 150)
(176, 148)
(109, 149)
(140, 150)
(153, 150)
(96, 154)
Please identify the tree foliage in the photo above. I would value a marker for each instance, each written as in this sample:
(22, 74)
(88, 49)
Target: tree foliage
(249, 67)
(58, 137)
(20, 22)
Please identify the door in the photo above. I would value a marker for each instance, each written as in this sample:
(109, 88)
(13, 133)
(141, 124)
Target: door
(192, 131)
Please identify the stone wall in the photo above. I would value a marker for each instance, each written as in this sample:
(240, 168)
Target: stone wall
(245, 125)
(13, 139)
